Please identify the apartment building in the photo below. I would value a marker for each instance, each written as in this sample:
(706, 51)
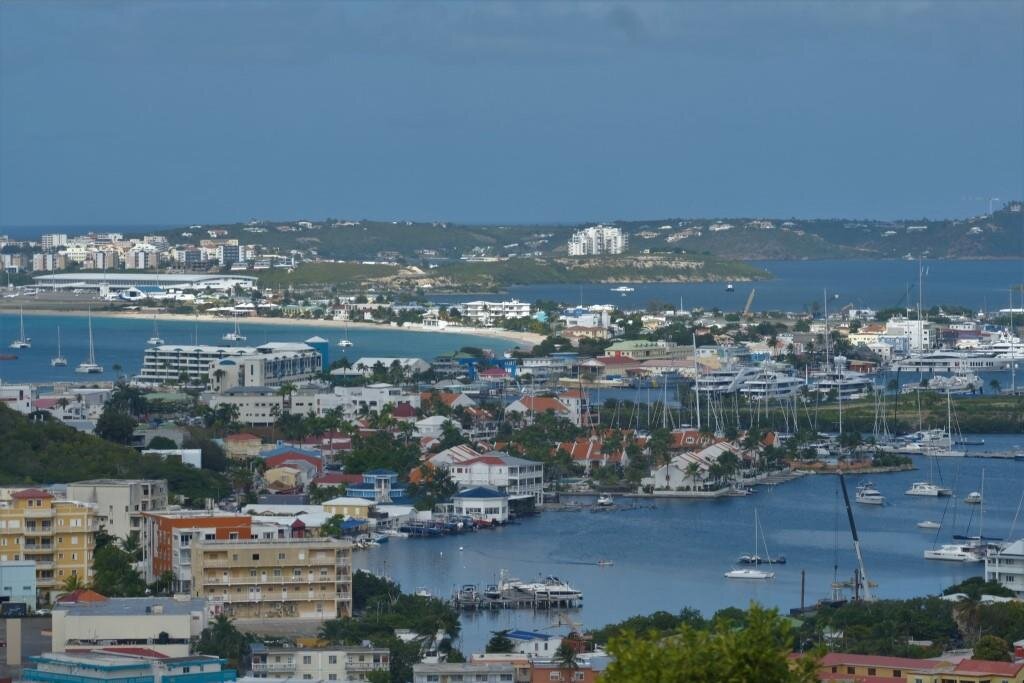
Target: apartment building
(353, 400)
(102, 666)
(167, 537)
(121, 502)
(488, 312)
(270, 364)
(165, 625)
(59, 535)
(459, 673)
(342, 664)
(256, 405)
(598, 240)
(274, 578)
(1007, 567)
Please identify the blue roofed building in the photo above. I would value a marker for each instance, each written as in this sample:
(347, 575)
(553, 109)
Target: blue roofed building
(137, 665)
(534, 643)
(380, 486)
(482, 504)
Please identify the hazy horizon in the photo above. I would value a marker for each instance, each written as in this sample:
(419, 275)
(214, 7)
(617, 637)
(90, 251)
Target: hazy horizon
(167, 113)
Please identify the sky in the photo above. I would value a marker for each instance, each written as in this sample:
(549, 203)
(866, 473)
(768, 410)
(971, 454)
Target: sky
(152, 112)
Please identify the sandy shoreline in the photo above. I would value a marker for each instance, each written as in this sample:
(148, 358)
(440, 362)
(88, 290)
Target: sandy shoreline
(523, 338)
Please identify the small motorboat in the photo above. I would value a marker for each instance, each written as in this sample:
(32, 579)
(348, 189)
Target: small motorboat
(928, 524)
(605, 563)
(423, 593)
(492, 592)
(605, 501)
(755, 574)
(730, 288)
(867, 494)
(973, 498)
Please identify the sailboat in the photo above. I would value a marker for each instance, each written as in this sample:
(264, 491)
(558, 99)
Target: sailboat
(754, 558)
(90, 367)
(155, 340)
(59, 361)
(345, 343)
(22, 342)
(235, 336)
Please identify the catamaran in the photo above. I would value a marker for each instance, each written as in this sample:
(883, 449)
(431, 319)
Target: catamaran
(58, 361)
(235, 336)
(22, 342)
(155, 340)
(953, 553)
(345, 343)
(755, 574)
(90, 367)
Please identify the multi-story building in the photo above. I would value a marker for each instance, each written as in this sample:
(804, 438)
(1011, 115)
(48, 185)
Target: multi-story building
(53, 241)
(919, 333)
(281, 578)
(342, 664)
(487, 312)
(598, 240)
(256, 405)
(166, 625)
(1007, 567)
(270, 364)
(457, 673)
(102, 666)
(228, 254)
(59, 535)
(353, 400)
(167, 537)
(517, 478)
(121, 502)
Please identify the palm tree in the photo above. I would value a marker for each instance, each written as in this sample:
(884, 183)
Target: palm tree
(73, 583)
(286, 390)
(693, 471)
(565, 657)
(996, 386)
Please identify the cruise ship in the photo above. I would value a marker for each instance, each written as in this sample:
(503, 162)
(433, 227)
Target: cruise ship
(726, 380)
(772, 384)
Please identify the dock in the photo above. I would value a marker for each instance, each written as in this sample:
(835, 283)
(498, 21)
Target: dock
(470, 599)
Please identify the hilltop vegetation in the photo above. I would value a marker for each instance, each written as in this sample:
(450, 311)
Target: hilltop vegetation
(48, 452)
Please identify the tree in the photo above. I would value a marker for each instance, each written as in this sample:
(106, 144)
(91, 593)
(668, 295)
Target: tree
(499, 642)
(758, 651)
(114, 574)
(565, 656)
(992, 649)
(222, 639)
(73, 583)
(115, 425)
(161, 443)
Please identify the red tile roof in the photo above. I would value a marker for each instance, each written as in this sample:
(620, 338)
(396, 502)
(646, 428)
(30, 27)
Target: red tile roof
(81, 595)
(25, 494)
(542, 404)
(403, 410)
(850, 659)
(982, 666)
(333, 478)
(242, 436)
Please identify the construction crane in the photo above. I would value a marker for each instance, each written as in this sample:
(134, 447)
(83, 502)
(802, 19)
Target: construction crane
(750, 301)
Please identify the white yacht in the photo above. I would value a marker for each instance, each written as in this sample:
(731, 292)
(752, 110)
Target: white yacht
(772, 385)
(58, 361)
(756, 574)
(953, 553)
(867, 494)
(845, 384)
(928, 524)
(551, 588)
(973, 498)
(953, 362)
(89, 366)
(605, 501)
(22, 342)
(726, 380)
(958, 385)
(235, 336)
(155, 340)
(623, 288)
(924, 488)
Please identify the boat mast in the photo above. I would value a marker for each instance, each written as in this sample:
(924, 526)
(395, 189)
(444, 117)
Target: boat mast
(863, 577)
(92, 352)
(696, 383)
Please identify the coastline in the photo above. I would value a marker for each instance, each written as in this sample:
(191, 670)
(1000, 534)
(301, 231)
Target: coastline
(522, 338)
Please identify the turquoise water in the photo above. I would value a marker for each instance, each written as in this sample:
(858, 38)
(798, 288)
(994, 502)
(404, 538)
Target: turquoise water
(122, 341)
(798, 284)
(674, 555)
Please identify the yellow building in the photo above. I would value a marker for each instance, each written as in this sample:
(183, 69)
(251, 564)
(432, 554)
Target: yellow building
(274, 578)
(58, 535)
(349, 506)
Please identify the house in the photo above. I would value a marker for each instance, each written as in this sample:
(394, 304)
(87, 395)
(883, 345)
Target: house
(482, 504)
(283, 455)
(434, 425)
(379, 486)
(448, 399)
(527, 407)
(242, 446)
(518, 478)
(534, 643)
(166, 625)
(1007, 567)
(350, 506)
(589, 452)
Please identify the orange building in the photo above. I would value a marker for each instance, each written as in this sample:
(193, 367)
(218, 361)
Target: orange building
(549, 672)
(167, 537)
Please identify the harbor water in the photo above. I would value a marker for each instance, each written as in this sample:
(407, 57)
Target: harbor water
(671, 553)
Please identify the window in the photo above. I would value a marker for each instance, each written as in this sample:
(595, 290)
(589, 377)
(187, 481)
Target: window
(332, 677)
(332, 659)
(850, 670)
(256, 556)
(554, 676)
(307, 659)
(577, 676)
(871, 671)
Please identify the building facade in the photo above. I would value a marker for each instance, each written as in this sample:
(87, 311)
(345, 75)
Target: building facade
(342, 664)
(167, 537)
(102, 666)
(1007, 567)
(270, 364)
(121, 502)
(58, 535)
(597, 241)
(283, 578)
(18, 582)
(166, 625)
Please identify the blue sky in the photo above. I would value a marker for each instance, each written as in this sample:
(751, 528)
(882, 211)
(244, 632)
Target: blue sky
(157, 112)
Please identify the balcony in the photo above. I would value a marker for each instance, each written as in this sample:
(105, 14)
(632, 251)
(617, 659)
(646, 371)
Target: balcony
(273, 667)
(38, 513)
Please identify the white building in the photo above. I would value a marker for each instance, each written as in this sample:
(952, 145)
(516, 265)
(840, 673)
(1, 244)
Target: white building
(453, 673)
(341, 664)
(591, 316)
(17, 397)
(487, 312)
(18, 582)
(269, 364)
(1007, 567)
(920, 333)
(120, 502)
(115, 282)
(481, 503)
(516, 477)
(167, 625)
(411, 366)
(256, 405)
(53, 241)
(102, 665)
(598, 240)
(354, 400)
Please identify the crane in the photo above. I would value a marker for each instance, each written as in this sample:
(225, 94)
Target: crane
(750, 301)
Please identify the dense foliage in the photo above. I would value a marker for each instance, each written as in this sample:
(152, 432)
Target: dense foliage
(45, 451)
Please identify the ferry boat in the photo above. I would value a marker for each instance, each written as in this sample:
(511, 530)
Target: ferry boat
(953, 553)
(924, 488)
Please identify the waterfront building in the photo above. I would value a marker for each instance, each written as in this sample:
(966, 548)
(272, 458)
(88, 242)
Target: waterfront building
(225, 367)
(349, 664)
(167, 537)
(468, 671)
(115, 282)
(166, 625)
(120, 502)
(644, 349)
(919, 333)
(139, 665)
(481, 503)
(349, 506)
(59, 535)
(309, 578)
(597, 241)
(18, 582)
(486, 313)
(1007, 567)
(517, 478)
(379, 486)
